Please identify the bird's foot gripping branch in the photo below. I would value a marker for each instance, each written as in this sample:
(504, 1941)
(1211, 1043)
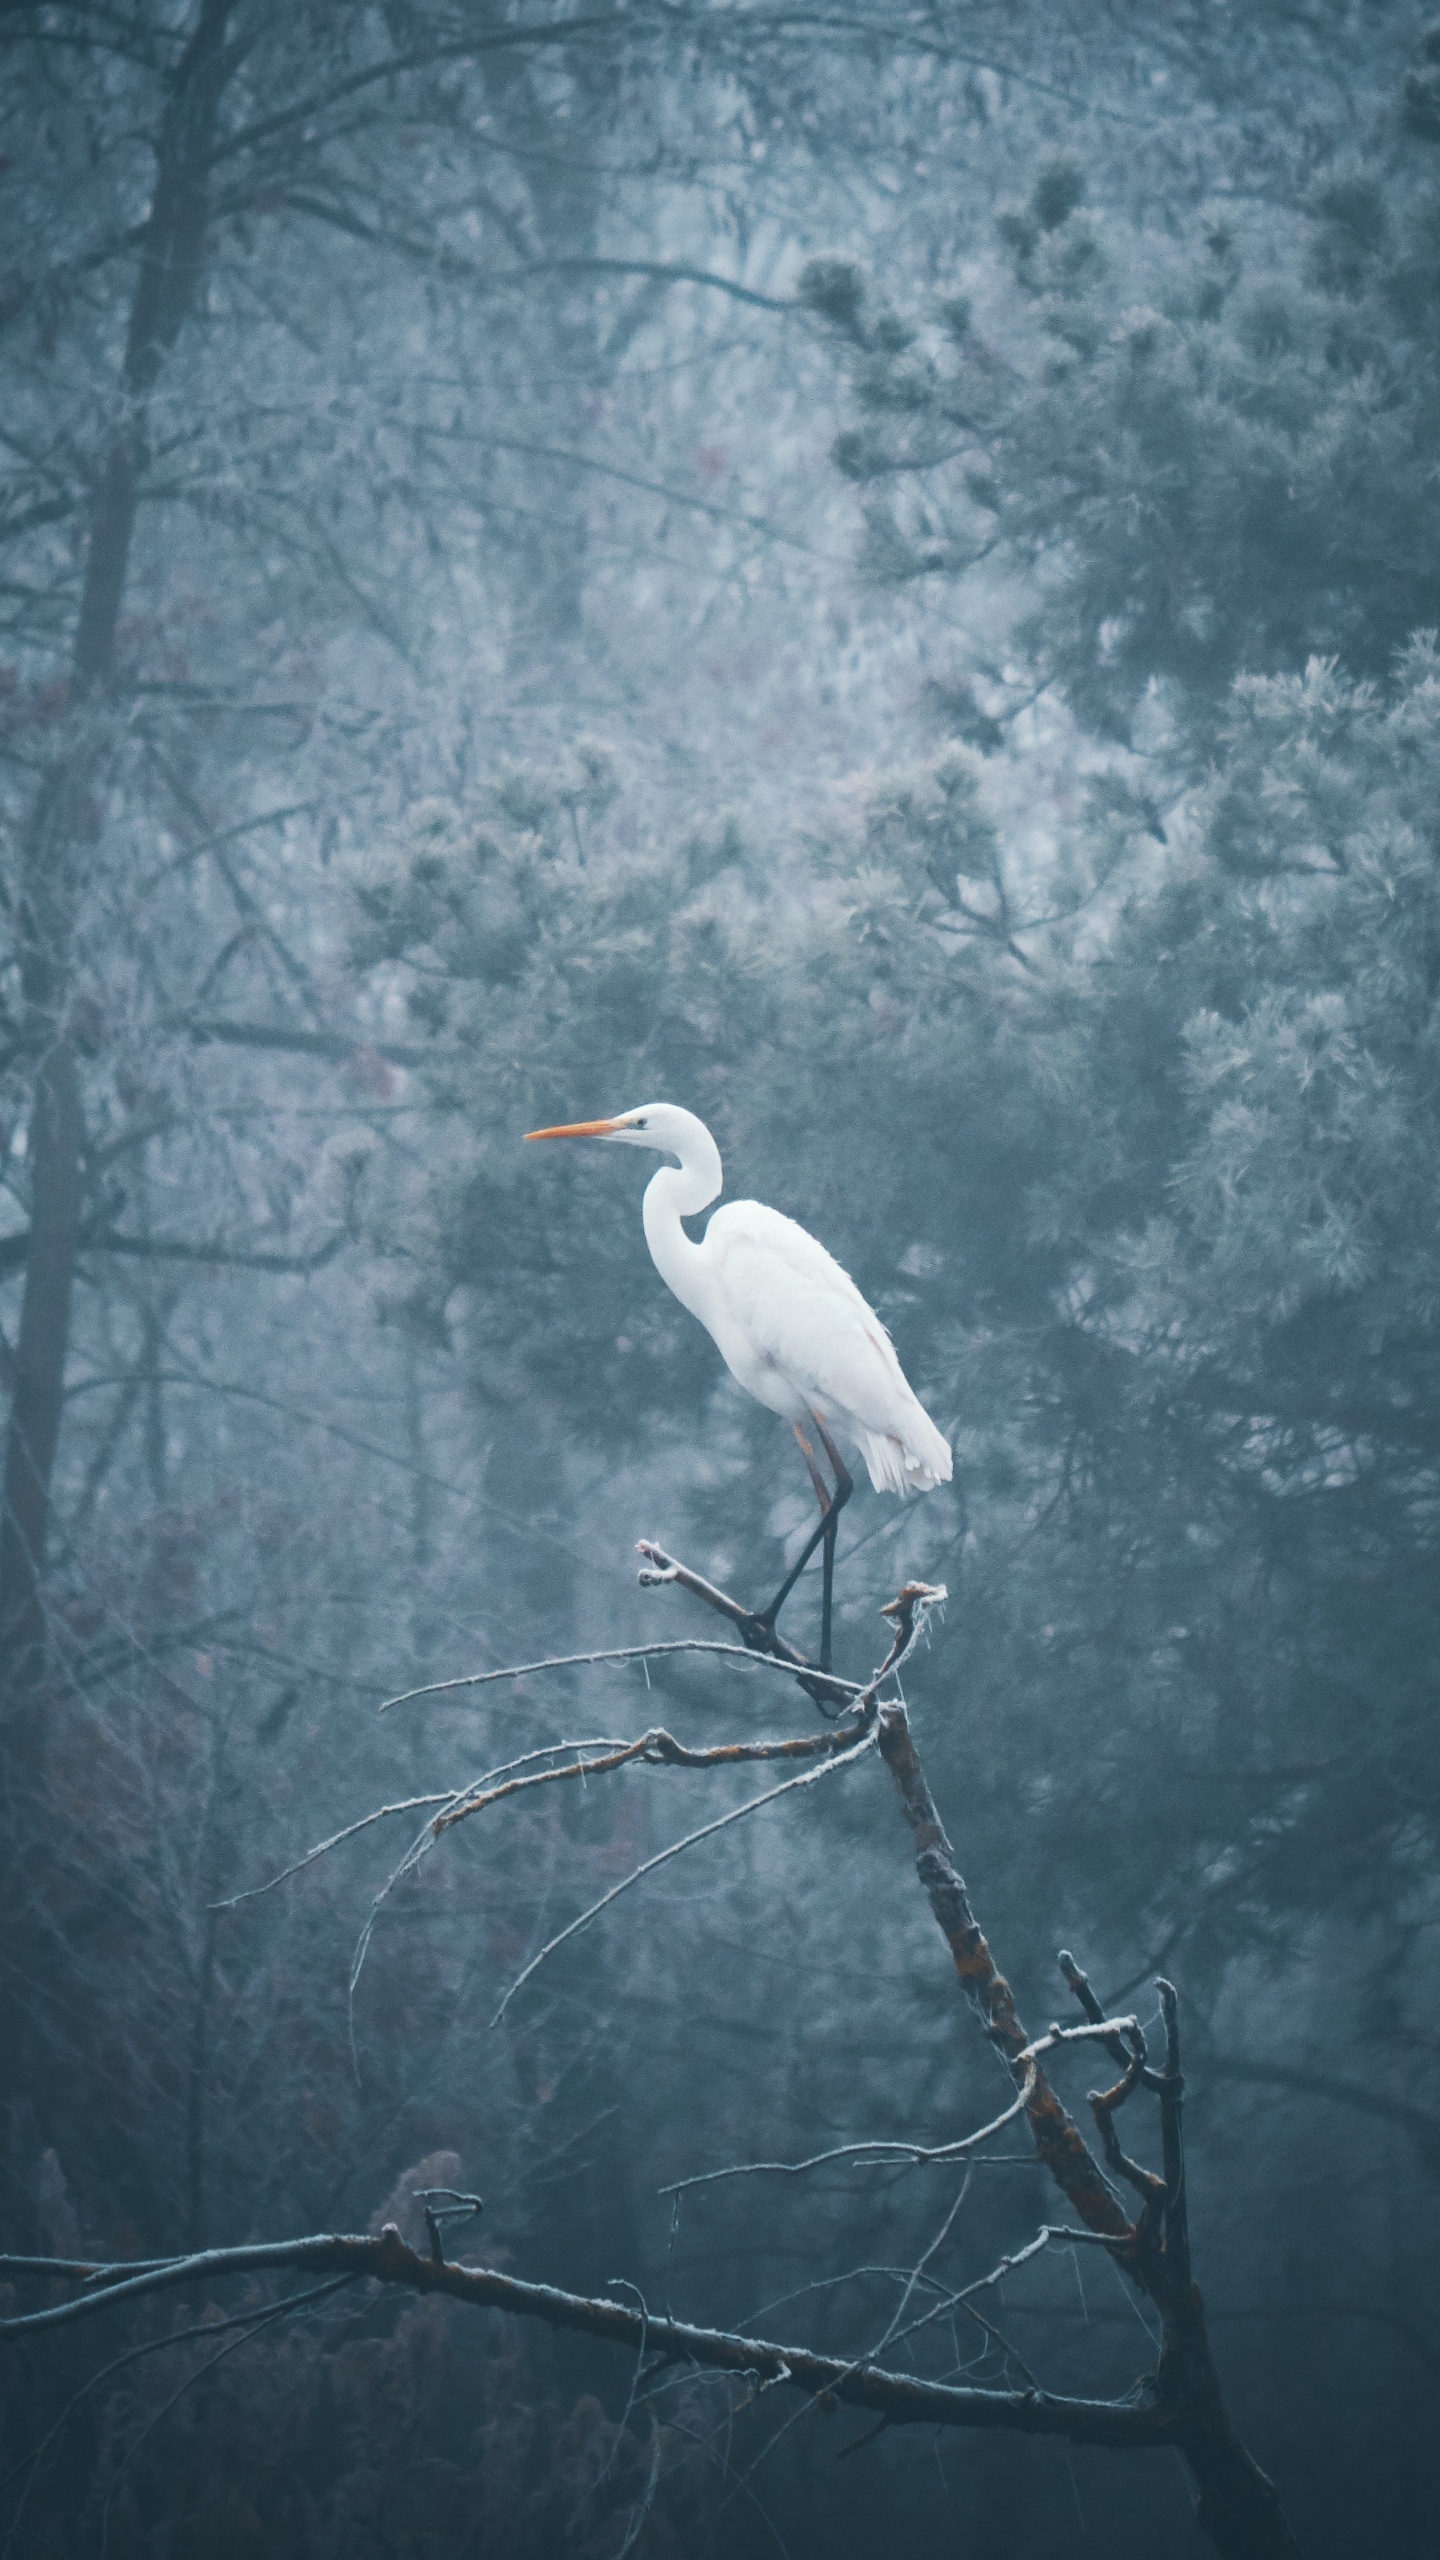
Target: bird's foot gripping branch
(1134, 2214)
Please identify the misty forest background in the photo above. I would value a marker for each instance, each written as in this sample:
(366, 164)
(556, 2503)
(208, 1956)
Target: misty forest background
(873, 573)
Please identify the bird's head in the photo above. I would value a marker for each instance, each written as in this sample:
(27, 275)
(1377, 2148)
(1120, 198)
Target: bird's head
(662, 1125)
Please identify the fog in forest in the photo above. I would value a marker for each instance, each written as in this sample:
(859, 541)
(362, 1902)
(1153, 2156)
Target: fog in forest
(872, 573)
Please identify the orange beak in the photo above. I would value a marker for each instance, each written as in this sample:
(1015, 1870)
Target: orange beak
(577, 1129)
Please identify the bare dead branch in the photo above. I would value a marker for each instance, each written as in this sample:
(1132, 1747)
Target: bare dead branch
(613, 1653)
(1172, 2140)
(908, 1612)
(1080, 1984)
(762, 1641)
(1057, 2138)
(407, 1804)
(1104, 2106)
(573, 460)
(903, 2398)
(1236, 2504)
(918, 2153)
(963, 2300)
(249, 2322)
(382, 1813)
(838, 1760)
(1011, 2353)
(657, 1748)
(1181, 2404)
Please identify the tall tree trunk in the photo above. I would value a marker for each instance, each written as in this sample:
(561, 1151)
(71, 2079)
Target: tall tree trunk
(56, 1172)
(64, 830)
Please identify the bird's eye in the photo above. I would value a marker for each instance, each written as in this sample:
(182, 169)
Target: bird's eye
(639, 1124)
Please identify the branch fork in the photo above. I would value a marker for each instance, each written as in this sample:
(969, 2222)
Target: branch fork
(1180, 2405)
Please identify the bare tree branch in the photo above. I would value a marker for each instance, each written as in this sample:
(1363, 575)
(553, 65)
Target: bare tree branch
(839, 1759)
(910, 2151)
(1179, 2405)
(613, 1653)
(905, 2399)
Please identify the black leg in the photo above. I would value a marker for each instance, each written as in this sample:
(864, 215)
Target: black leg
(766, 1618)
(831, 1505)
(827, 1586)
(844, 1487)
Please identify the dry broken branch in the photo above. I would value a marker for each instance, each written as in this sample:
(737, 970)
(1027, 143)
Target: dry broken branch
(1179, 2405)
(917, 2153)
(1236, 2504)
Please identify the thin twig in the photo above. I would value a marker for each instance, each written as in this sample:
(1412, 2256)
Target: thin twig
(618, 1653)
(322, 1848)
(707, 1831)
(264, 2320)
(248, 2321)
(918, 2154)
(964, 2298)
(1011, 2354)
(424, 1841)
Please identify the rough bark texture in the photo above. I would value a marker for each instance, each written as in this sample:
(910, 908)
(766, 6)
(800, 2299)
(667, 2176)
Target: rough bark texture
(1236, 2505)
(904, 2399)
(56, 1144)
(1057, 2137)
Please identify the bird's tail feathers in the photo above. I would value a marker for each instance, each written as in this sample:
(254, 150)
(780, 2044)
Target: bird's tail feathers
(916, 1465)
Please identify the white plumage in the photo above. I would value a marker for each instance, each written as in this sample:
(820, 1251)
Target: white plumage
(788, 1322)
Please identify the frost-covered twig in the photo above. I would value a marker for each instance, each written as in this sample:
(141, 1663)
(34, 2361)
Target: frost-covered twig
(614, 1653)
(707, 1830)
(921, 2155)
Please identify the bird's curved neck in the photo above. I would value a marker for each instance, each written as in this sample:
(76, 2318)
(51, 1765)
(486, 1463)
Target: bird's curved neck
(677, 1191)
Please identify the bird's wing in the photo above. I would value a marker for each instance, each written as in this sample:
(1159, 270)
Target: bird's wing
(805, 1318)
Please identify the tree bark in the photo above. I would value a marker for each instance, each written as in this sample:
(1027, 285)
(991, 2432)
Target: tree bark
(1236, 2506)
(56, 1170)
(1056, 2136)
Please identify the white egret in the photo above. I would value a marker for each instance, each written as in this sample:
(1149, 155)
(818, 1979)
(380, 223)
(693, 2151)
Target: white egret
(787, 1321)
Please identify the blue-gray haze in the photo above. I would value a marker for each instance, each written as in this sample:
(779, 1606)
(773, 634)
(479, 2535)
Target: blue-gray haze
(871, 572)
